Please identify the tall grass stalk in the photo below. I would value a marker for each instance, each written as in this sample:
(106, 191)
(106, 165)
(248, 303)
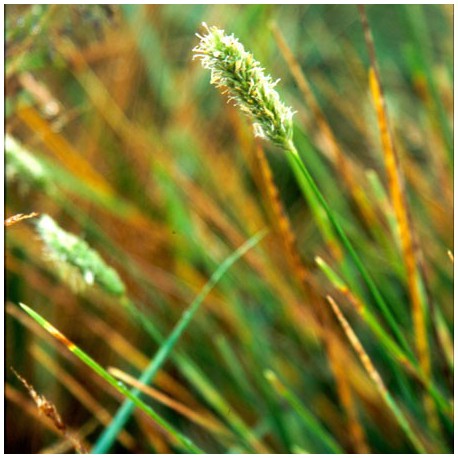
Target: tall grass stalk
(240, 76)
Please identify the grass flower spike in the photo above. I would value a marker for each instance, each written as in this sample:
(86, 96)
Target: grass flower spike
(77, 261)
(243, 79)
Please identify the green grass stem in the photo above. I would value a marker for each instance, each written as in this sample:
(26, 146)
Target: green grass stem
(302, 173)
(110, 434)
(322, 436)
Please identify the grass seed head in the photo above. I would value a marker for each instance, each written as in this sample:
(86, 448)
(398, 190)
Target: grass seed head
(78, 263)
(241, 76)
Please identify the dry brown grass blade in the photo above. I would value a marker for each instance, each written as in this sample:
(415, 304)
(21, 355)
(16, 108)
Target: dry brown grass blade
(154, 435)
(341, 365)
(19, 217)
(398, 196)
(356, 344)
(127, 351)
(63, 446)
(166, 382)
(29, 407)
(48, 334)
(49, 410)
(204, 419)
(63, 150)
(98, 93)
(80, 393)
(346, 395)
(281, 220)
(375, 376)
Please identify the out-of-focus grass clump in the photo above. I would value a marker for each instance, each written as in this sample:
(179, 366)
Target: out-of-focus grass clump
(332, 334)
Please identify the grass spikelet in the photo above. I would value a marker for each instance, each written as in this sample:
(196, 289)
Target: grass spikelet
(80, 263)
(49, 410)
(242, 77)
(215, 50)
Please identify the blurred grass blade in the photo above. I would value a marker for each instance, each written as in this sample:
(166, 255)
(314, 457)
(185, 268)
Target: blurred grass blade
(184, 442)
(318, 211)
(64, 151)
(419, 28)
(109, 435)
(410, 252)
(312, 424)
(206, 420)
(375, 376)
(304, 281)
(281, 220)
(332, 150)
(202, 384)
(112, 130)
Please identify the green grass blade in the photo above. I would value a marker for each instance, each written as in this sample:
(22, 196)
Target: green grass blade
(202, 383)
(322, 436)
(385, 339)
(293, 156)
(184, 442)
(108, 437)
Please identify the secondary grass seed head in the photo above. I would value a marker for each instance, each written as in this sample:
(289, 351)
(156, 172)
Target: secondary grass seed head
(79, 263)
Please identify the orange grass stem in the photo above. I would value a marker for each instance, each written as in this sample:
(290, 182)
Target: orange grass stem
(405, 230)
